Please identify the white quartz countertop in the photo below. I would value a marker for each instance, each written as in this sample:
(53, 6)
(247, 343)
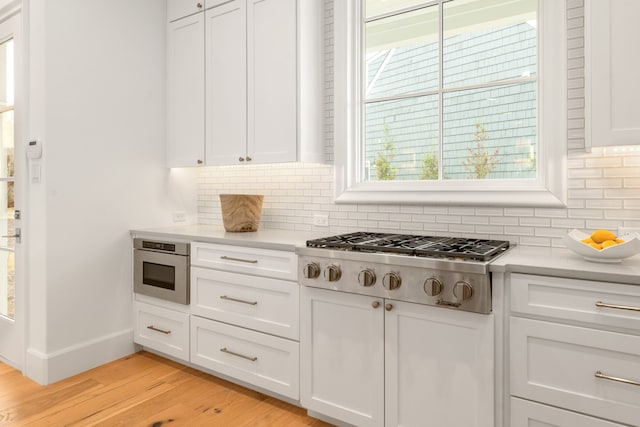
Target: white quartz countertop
(562, 262)
(558, 262)
(283, 240)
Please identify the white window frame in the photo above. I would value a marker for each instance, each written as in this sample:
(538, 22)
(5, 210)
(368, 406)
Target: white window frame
(548, 190)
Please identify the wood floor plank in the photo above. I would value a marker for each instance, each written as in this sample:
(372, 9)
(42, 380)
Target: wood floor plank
(141, 390)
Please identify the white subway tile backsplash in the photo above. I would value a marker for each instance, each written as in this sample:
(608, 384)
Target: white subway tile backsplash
(604, 189)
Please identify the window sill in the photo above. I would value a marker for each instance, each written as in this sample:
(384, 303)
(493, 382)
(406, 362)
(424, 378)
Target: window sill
(512, 198)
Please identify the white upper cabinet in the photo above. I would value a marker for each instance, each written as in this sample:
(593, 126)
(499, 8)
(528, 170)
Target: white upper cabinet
(262, 83)
(185, 92)
(612, 67)
(271, 81)
(177, 9)
(226, 83)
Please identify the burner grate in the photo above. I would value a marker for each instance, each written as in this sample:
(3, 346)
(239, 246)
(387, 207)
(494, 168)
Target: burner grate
(414, 245)
(470, 249)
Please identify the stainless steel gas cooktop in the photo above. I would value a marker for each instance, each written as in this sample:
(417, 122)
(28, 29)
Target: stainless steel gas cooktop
(450, 272)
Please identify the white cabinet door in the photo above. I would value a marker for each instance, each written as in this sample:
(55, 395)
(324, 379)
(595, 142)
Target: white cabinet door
(342, 356)
(612, 66)
(438, 367)
(272, 80)
(177, 9)
(185, 91)
(226, 83)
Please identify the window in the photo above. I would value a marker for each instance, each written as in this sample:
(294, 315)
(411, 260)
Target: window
(456, 102)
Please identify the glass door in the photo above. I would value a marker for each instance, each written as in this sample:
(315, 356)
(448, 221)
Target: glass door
(7, 181)
(11, 320)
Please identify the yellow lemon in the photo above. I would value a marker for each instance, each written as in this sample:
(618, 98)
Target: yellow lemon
(600, 236)
(619, 241)
(608, 243)
(587, 240)
(597, 246)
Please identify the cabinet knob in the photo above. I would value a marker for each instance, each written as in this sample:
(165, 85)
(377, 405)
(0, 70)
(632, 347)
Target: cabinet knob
(375, 304)
(249, 159)
(199, 162)
(199, 5)
(241, 159)
(388, 307)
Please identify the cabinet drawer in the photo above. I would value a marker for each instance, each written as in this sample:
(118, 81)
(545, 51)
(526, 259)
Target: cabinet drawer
(557, 364)
(259, 359)
(266, 305)
(526, 414)
(572, 299)
(161, 329)
(240, 259)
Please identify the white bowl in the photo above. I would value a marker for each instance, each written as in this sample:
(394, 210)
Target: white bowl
(615, 253)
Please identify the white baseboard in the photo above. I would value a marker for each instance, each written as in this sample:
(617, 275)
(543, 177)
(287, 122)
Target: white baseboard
(49, 368)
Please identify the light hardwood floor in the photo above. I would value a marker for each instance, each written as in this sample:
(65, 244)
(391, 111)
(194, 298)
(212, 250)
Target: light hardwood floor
(141, 390)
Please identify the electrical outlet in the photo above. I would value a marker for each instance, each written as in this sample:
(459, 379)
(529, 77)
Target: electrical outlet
(628, 230)
(320, 220)
(179, 217)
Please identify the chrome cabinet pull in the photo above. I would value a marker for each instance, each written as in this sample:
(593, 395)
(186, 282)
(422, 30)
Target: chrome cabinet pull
(250, 261)
(224, 350)
(162, 331)
(599, 374)
(238, 300)
(619, 307)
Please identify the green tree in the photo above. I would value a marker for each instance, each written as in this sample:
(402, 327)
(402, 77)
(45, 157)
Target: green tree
(385, 171)
(429, 166)
(481, 161)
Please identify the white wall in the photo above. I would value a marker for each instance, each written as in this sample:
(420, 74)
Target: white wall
(97, 102)
(604, 188)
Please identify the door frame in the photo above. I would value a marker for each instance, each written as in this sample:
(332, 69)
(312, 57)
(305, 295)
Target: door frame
(12, 20)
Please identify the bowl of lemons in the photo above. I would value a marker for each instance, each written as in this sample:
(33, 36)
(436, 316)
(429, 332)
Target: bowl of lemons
(603, 245)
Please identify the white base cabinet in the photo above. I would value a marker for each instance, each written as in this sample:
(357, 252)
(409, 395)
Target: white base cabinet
(342, 356)
(574, 344)
(373, 362)
(255, 358)
(263, 304)
(245, 315)
(162, 329)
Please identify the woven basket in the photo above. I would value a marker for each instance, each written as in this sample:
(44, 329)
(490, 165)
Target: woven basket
(241, 212)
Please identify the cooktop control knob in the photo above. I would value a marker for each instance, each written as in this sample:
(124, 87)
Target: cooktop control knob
(367, 277)
(391, 281)
(332, 273)
(311, 270)
(462, 290)
(432, 287)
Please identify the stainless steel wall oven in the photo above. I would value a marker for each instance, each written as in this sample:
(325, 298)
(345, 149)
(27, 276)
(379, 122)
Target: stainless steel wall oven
(161, 269)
